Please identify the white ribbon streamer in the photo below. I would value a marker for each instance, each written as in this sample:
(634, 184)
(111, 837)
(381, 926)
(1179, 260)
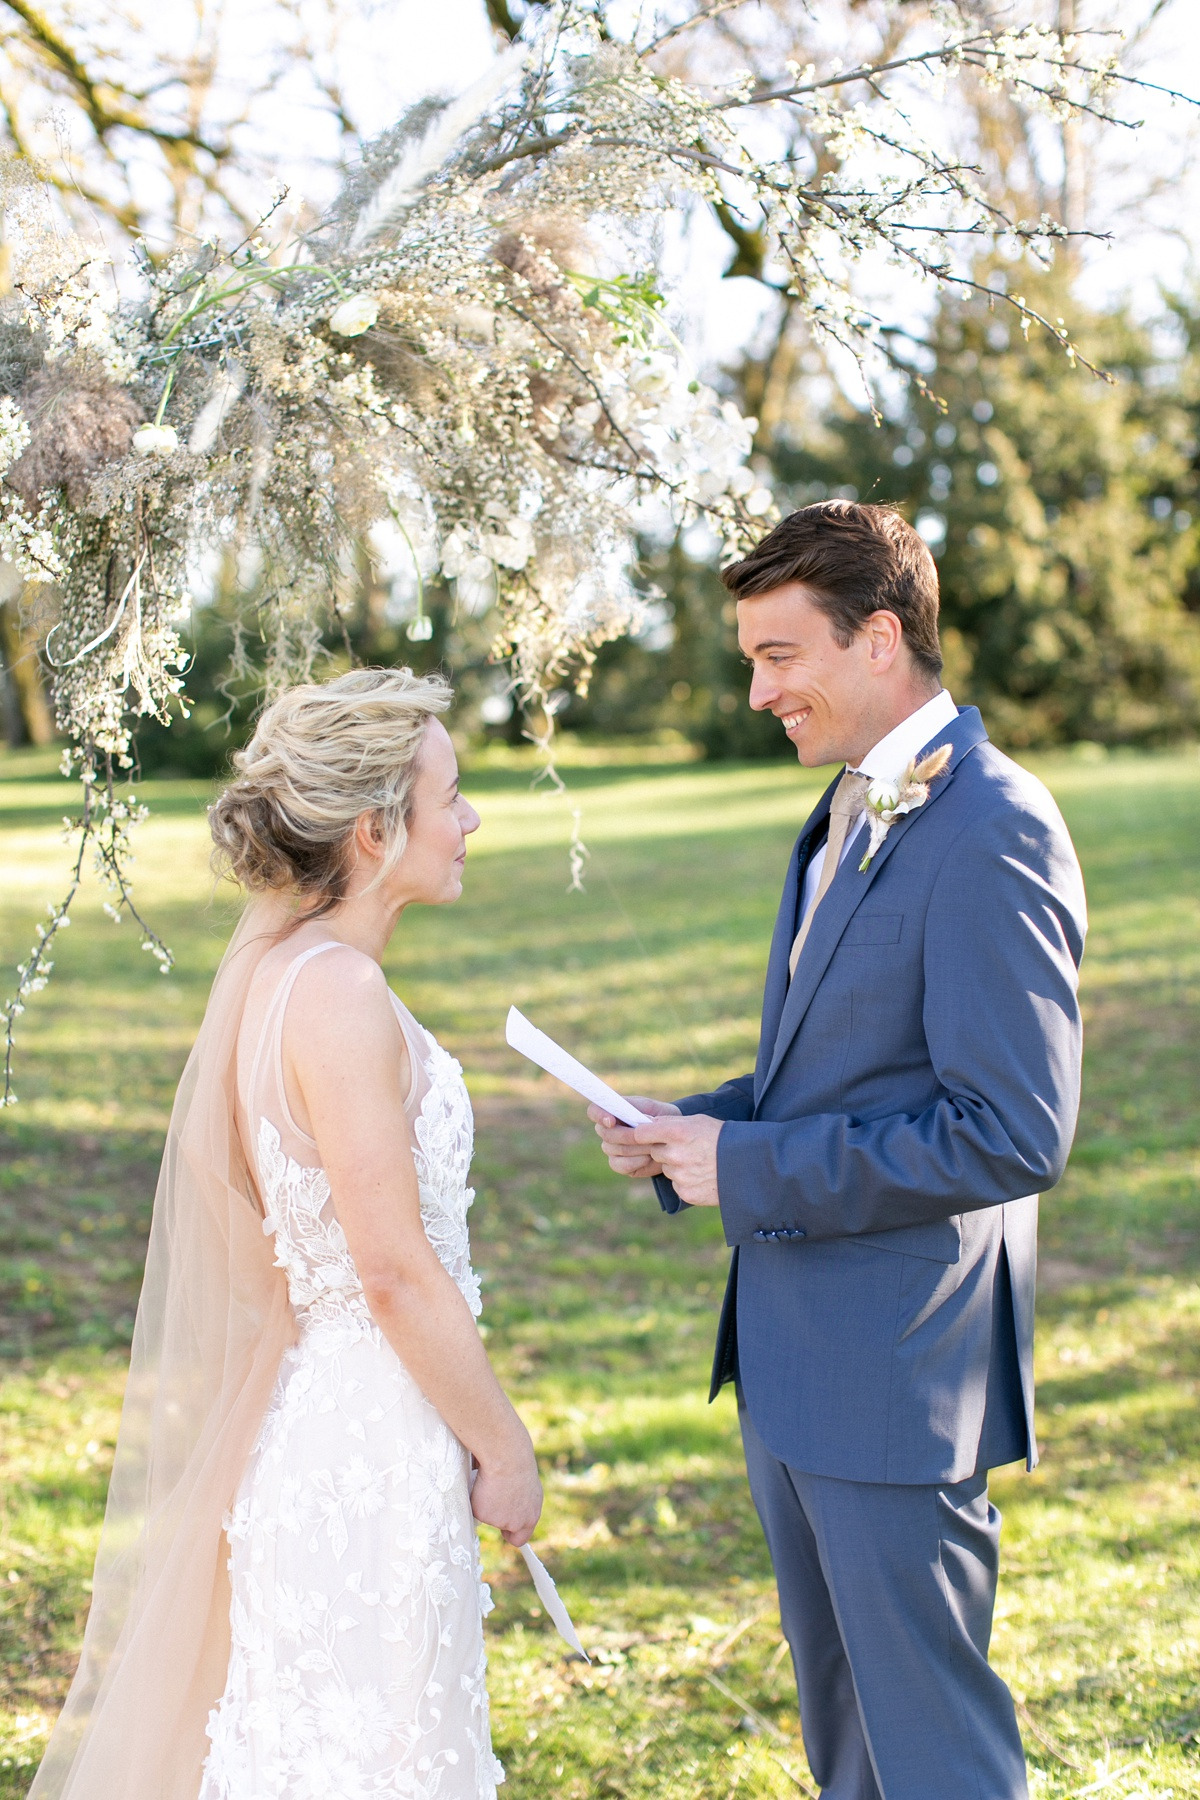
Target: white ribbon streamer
(548, 1594)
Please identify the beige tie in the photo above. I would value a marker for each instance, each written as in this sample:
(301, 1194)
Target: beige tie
(849, 798)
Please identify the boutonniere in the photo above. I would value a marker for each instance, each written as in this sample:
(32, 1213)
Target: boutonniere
(888, 801)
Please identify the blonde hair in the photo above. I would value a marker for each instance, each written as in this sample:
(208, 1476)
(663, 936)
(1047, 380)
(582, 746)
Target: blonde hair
(321, 756)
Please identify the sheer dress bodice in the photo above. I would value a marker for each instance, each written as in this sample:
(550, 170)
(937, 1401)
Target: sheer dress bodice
(310, 1244)
(357, 1666)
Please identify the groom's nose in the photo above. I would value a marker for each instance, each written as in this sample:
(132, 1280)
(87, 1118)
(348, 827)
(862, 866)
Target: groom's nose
(764, 688)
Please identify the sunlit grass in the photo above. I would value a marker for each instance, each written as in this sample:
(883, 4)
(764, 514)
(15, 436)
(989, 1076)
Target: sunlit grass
(601, 1313)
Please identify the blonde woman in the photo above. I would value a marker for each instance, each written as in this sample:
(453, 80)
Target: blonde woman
(287, 1600)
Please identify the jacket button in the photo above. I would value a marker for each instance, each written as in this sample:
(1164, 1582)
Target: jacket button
(761, 1236)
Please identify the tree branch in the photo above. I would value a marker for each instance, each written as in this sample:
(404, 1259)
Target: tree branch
(100, 100)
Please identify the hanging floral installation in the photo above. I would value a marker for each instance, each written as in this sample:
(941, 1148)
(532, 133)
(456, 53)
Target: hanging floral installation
(468, 354)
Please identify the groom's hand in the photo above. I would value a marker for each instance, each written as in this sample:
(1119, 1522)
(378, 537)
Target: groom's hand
(625, 1155)
(685, 1150)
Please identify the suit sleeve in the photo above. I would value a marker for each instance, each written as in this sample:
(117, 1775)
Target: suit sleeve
(732, 1100)
(1002, 946)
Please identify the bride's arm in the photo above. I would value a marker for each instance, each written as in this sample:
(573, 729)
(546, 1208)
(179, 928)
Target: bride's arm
(344, 1046)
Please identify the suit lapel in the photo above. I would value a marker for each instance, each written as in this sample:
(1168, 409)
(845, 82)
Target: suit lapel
(847, 892)
(775, 991)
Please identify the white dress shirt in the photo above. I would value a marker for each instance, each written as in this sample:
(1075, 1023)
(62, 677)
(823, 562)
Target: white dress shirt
(886, 762)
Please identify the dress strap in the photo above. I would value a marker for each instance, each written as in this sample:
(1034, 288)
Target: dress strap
(270, 1037)
(416, 1040)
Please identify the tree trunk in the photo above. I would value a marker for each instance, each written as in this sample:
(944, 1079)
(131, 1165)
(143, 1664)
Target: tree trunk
(24, 708)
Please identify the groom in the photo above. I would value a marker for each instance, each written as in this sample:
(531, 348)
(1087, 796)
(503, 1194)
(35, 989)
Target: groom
(877, 1175)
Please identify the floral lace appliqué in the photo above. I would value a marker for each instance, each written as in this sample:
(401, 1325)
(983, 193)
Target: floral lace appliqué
(445, 1139)
(357, 1667)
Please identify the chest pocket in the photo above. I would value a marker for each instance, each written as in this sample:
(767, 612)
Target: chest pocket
(873, 928)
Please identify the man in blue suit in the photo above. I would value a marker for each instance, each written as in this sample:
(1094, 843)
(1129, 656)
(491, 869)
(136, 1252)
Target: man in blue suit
(917, 1086)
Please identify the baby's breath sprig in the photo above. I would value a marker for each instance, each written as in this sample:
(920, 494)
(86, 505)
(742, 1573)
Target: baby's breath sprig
(102, 825)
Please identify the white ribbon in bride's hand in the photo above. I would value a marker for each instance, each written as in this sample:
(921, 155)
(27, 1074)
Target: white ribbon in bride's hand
(549, 1596)
(547, 1593)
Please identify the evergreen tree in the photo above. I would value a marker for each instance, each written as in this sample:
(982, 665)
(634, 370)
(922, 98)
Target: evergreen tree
(685, 674)
(1063, 513)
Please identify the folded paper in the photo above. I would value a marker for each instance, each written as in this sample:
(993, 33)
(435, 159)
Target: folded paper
(558, 1062)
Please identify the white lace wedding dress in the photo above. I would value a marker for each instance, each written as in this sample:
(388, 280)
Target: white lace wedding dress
(357, 1666)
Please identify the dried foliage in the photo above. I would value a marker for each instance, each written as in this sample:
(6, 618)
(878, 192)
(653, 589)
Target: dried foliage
(468, 355)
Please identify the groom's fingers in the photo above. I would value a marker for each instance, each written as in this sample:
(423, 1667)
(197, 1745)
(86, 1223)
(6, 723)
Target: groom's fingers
(625, 1153)
(606, 1125)
(686, 1151)
(614, 1136)
(669, 1129)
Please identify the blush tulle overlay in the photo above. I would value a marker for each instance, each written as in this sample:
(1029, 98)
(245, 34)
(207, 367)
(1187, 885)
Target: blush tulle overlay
(286, 1600)
(357, 1664)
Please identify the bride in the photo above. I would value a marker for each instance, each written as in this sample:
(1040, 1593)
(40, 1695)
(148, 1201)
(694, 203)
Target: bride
(287, 1602)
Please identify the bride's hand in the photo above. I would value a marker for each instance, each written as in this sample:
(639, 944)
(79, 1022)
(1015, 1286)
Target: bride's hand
(508, 1494)
(626, 1156)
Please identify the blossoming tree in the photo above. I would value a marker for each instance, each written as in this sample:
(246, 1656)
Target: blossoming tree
(468, 356)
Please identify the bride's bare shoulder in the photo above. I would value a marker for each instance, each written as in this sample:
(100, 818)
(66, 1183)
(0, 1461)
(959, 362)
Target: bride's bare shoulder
(342, 971)
(340, 1016)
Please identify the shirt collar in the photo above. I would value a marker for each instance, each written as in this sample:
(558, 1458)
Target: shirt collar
(893, 753)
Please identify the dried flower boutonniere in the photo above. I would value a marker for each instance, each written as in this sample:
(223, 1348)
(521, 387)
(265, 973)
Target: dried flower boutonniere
(888, 801)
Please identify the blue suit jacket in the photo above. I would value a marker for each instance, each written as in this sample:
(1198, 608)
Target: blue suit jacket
(917, 1086)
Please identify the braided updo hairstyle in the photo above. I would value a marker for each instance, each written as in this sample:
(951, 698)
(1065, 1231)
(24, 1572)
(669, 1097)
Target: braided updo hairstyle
(321, 756)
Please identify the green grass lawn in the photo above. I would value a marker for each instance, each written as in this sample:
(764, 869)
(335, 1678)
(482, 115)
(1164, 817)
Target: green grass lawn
(600, 1312)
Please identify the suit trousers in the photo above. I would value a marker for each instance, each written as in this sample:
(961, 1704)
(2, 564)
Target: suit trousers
(886, 1595)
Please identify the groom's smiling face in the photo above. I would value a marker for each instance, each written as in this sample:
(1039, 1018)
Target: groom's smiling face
(833, 700)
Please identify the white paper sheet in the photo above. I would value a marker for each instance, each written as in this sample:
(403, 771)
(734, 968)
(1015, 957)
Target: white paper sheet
(557, 1062)
(547, 1593)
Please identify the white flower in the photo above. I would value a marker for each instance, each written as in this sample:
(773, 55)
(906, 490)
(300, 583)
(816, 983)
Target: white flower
(420, 630)
(354, 316)
(456, 553)
(356, 1720)
(14, 433)
(652, 378)
(511, 546)
(883, 796)
(360, 1487)
(758, 501)
(156, 440)
(888, 801)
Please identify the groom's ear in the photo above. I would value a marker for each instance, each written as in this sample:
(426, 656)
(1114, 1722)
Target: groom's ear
(884, 635)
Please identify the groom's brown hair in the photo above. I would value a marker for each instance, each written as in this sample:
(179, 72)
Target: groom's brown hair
(857, 560)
